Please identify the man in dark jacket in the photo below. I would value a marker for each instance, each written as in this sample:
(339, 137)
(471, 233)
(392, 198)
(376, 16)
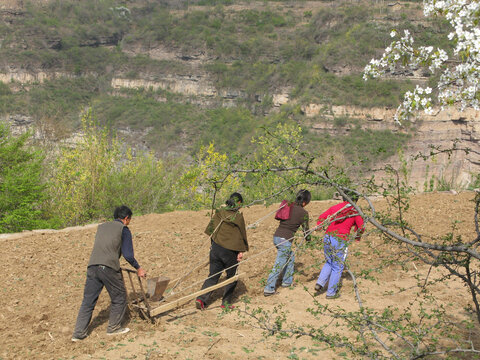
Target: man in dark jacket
(112, 240)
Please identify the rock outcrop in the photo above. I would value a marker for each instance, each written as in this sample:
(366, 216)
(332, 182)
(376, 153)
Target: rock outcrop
(188, 84)
(443, 131)
(23, 77)
(437, 133)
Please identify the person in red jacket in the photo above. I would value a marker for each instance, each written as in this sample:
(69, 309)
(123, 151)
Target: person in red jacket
(340, 219)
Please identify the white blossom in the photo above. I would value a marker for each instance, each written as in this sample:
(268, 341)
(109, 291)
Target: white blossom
(459, 81)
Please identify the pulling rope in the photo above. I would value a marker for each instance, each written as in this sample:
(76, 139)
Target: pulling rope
(250, 226)
(235, 265)
(254, 225)
(305, 235)
(200, 264)
(327, 221)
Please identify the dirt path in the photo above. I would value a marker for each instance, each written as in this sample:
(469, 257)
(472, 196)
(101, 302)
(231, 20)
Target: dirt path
(44, 274)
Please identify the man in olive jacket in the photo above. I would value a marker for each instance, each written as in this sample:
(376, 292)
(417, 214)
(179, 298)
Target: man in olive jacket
(112, 240)
(228, 243)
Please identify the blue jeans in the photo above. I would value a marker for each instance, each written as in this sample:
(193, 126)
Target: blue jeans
(335, 255)
(283, 264)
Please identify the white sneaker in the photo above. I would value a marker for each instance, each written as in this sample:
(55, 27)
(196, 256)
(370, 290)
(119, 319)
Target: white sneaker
(75, 339)
(119, 331)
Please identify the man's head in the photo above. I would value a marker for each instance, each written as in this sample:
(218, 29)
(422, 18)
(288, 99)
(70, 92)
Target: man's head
(122, 213)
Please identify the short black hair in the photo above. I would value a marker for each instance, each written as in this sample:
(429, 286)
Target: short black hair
(234, 199)
(303, 196)
(122, 212)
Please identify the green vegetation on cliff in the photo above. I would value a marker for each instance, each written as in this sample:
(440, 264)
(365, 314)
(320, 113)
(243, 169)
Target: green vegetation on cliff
(247, 51)
(253, 48)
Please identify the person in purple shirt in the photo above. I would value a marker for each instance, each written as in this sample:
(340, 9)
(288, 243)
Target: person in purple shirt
(112, 240)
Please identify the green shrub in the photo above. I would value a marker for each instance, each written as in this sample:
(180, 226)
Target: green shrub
(4, 89)
(371, 145)
(89, 180)
(22, 190)
(340, 121)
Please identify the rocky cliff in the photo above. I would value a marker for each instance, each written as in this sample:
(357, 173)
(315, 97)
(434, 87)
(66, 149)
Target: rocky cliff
(442, 130)
(446, 129)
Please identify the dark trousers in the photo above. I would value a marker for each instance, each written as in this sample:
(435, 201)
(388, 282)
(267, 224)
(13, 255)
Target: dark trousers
(220, 259)
(99, 276)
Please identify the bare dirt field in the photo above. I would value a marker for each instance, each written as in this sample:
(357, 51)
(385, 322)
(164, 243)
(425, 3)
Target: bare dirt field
(44, 273)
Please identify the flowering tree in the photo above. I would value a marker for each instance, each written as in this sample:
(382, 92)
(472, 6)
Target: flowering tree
(421, 327)
(459, 77)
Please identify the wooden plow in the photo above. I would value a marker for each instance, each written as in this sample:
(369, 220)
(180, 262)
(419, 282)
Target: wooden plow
(152, 303)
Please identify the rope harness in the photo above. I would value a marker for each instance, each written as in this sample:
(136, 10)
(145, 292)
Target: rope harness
(324, 225)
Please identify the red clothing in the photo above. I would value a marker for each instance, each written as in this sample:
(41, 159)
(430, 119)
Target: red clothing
(341, 227)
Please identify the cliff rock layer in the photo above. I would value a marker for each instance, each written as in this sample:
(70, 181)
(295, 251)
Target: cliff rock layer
(446, 129)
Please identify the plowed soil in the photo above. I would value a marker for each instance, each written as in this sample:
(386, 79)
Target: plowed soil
(43, 276)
